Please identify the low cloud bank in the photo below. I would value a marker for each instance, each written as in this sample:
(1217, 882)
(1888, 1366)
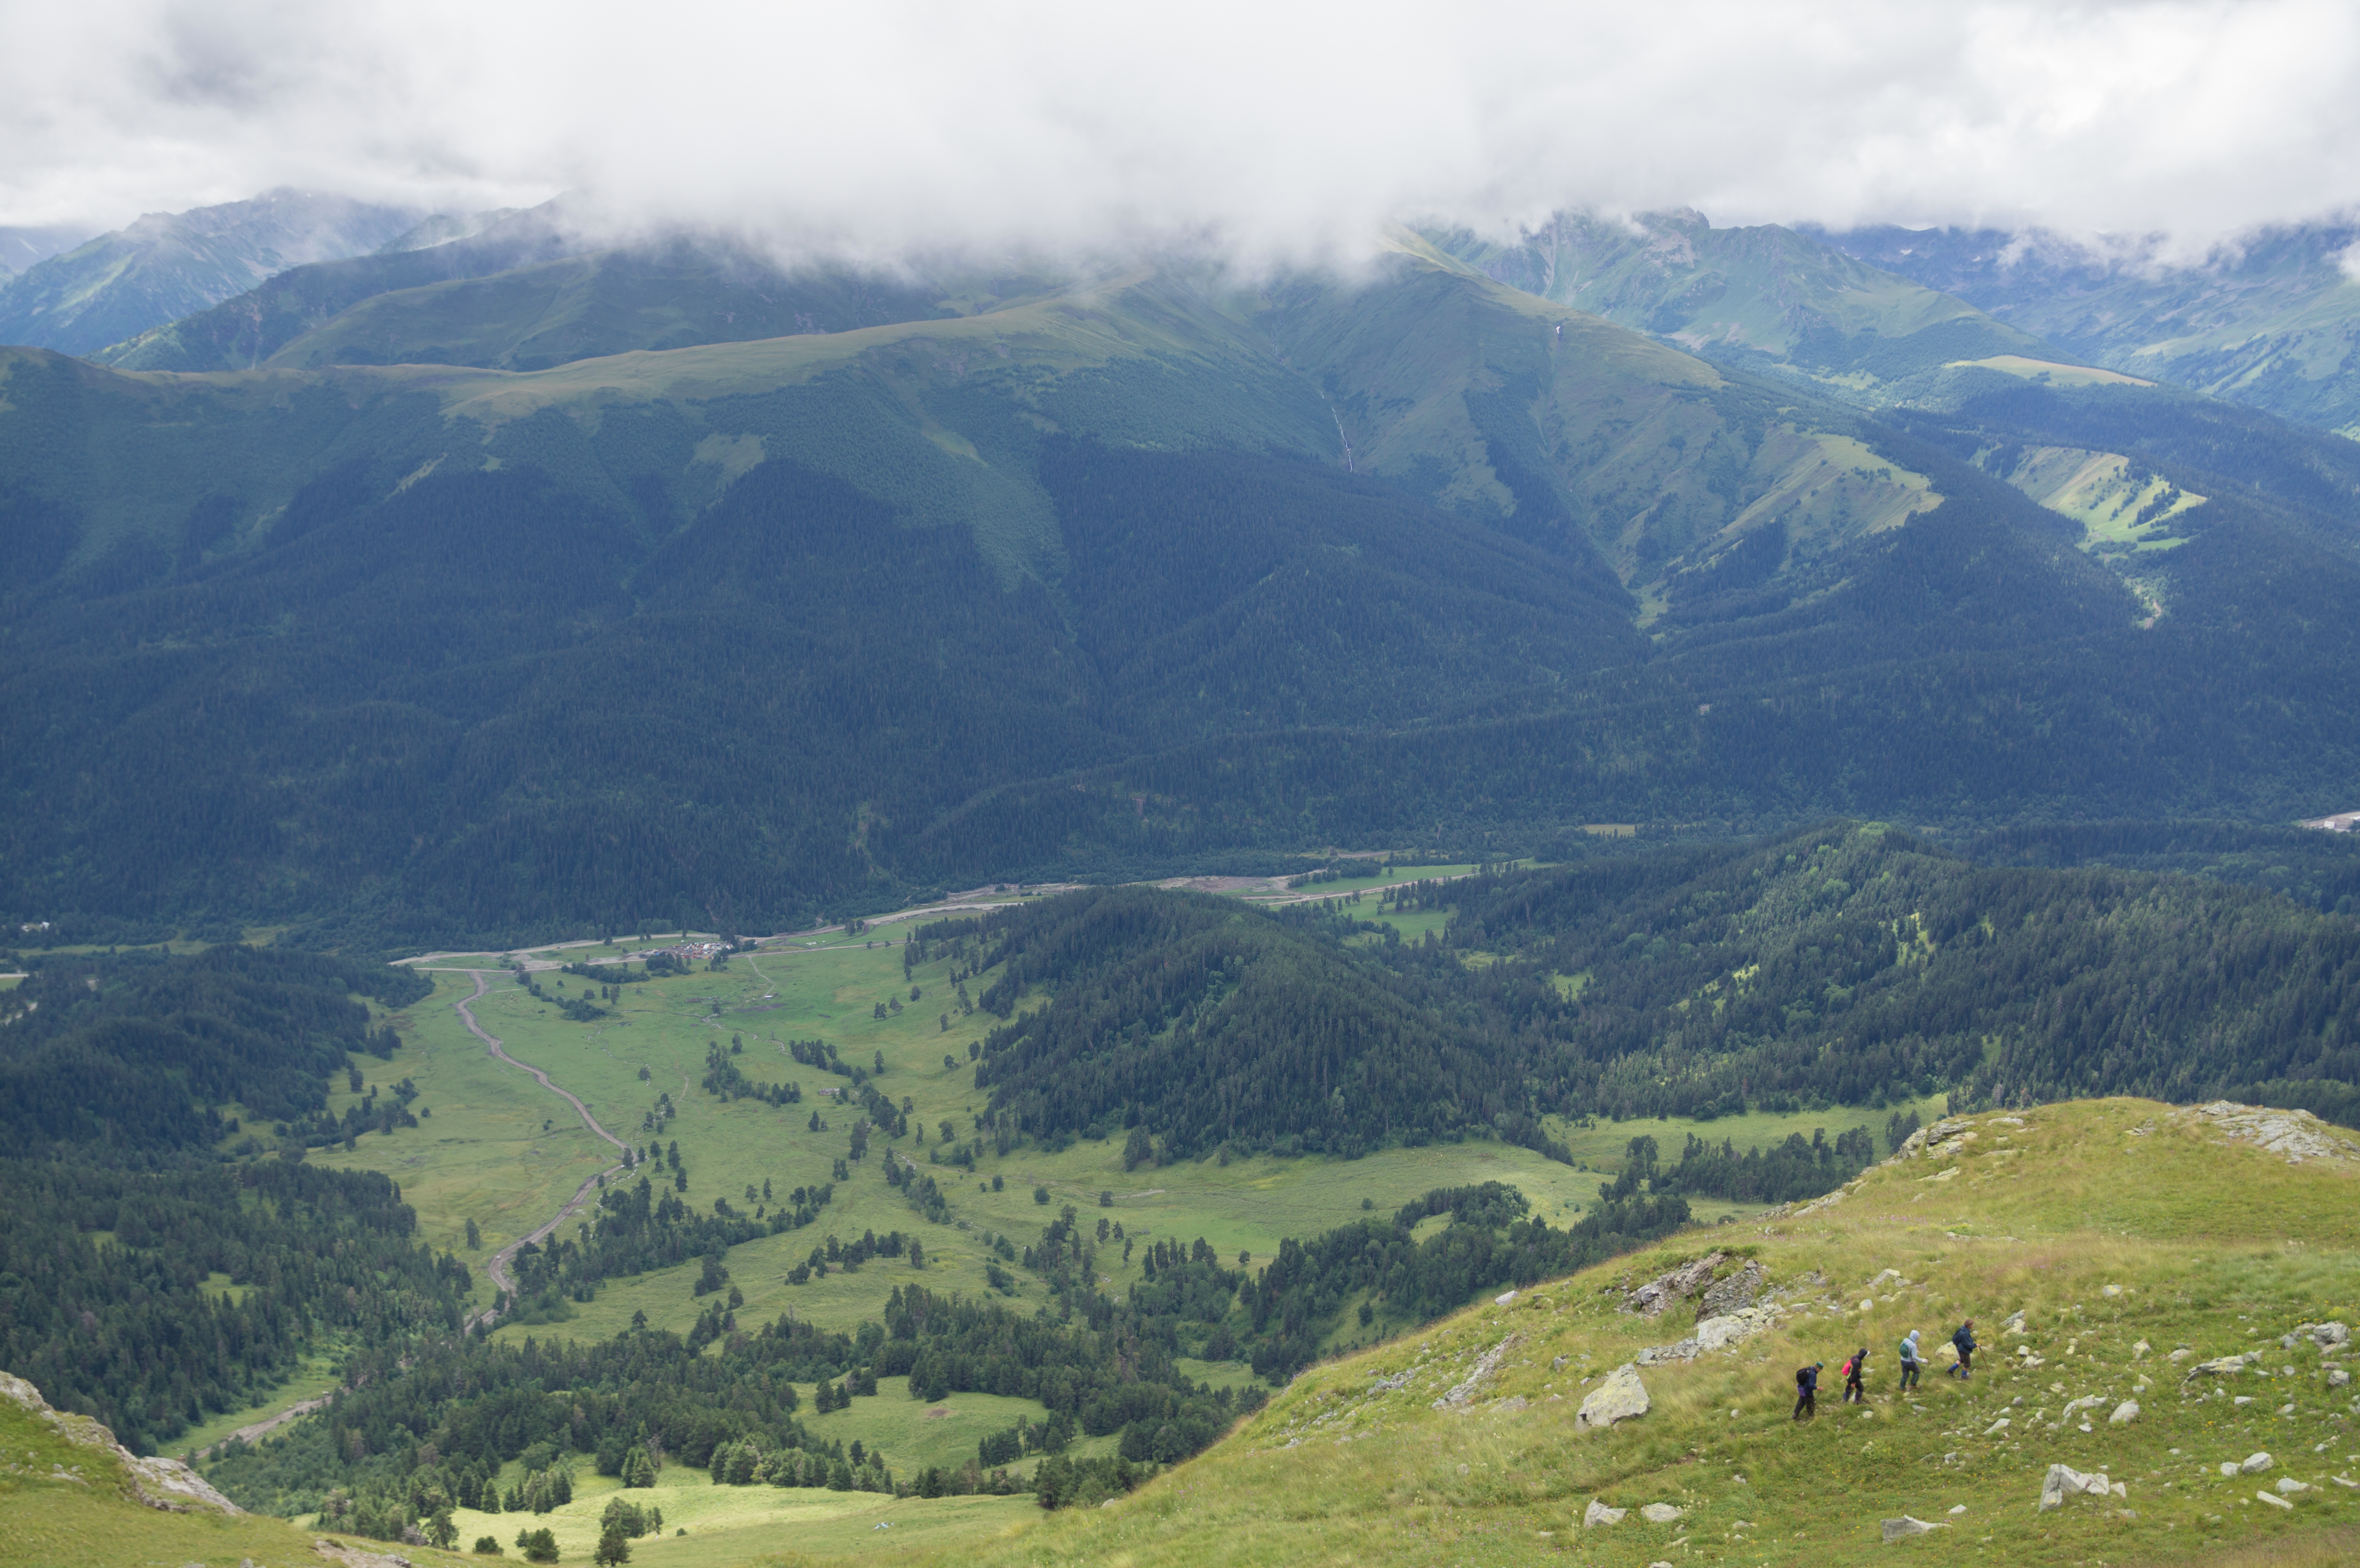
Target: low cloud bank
(1278, 132)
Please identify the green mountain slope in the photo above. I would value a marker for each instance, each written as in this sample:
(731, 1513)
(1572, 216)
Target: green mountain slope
(1142, 568)
(2272, 321)
(69, 1496)
(524, 293)
(1552, 424)
(168, 265)
(1767, 297)
(2111, 1253)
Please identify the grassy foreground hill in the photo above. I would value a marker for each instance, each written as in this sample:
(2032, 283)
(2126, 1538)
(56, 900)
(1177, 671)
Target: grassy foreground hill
(68, 1496)
(2107, 1249)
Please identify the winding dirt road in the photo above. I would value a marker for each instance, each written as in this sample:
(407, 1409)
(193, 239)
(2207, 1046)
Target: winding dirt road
(498, 1266)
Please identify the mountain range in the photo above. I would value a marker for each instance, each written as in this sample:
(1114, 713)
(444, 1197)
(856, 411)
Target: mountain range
(168, 265)
(2271, 321)
(511, 578)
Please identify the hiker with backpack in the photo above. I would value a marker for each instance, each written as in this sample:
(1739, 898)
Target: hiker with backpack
(1964, 1341)
(1854, 1391)
(1910, 1361)
(1807, 1390)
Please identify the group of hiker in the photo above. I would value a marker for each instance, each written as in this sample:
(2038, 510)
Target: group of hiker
(1856, 1370)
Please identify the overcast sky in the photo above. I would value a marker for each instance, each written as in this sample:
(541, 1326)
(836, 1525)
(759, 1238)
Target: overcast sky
(1285, 128)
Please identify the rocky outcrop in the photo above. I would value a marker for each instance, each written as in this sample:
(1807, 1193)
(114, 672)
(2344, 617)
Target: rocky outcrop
(1598, 1513)
(2293, 1136)
(165, 1484)
(1462, 1394)
(1723, 1332)
(1732, 1294)
(1652, 1298)
(1618, 1398)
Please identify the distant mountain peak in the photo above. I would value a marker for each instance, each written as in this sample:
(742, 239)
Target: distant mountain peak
(164, 265)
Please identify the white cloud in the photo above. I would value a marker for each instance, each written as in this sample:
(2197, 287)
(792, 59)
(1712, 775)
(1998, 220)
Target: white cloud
(1282, 128)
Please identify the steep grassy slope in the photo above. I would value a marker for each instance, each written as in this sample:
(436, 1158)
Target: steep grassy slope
(67, 1500)
(1767, 297)
(170, 264)
(514, 298)
(2135, 1241)
(1554, 424)
(2272, 321)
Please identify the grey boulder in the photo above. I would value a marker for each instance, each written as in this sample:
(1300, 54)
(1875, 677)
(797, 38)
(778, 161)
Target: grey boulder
(2063, 1481)
(1618, 1396)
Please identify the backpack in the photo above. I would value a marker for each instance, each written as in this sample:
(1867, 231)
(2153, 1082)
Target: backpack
(1804, 1377)
(1960, 1338)
(1908, 1354)
(1848, 1367)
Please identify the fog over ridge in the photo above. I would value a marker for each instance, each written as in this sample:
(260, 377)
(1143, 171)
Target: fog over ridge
(1288, 133)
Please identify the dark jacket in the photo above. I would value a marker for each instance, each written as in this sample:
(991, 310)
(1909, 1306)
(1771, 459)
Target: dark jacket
(1964, 1339)
(1807, 1379)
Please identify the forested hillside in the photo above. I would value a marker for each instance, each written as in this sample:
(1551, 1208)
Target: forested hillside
(165, 1254)
(140, 1059)
(1845, 966)
(1211, 1024)
(1853, 964)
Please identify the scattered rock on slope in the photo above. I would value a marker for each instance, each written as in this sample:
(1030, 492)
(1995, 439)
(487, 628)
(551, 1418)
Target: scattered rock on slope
(2063, 1481)
(2223, 1365)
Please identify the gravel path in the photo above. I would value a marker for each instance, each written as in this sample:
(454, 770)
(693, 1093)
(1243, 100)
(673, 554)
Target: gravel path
(498, 1266)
